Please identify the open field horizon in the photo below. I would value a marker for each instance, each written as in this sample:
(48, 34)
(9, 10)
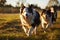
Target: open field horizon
(10, 29)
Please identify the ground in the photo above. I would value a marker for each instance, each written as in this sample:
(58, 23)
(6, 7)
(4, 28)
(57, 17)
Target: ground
(10, 29)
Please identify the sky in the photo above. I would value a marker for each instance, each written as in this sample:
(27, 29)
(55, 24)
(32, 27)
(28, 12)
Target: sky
(12, 2)
(40, 3)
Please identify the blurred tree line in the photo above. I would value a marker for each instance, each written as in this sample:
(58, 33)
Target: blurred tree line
(7, 8)
(2, 2)
(10, 9)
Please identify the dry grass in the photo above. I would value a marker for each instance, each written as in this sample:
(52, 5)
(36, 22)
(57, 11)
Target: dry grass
(10, 29)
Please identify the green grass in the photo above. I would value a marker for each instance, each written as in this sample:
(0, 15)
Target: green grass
(10, 29)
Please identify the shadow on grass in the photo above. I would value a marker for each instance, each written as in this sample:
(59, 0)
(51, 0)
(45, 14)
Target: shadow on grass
(14, 31)
(40, 37)
(14, 25)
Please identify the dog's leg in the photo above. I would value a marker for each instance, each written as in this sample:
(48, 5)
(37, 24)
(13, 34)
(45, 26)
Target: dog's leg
(24, 29)
(42, 25)
(34, 31)
(30, 30)
(49, 24)
(22, 22)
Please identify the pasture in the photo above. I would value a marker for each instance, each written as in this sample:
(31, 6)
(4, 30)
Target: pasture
(10, 29)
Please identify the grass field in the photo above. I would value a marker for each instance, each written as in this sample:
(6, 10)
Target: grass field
(10, 29)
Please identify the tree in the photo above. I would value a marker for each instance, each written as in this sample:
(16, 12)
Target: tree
(53, 2)
(2, 2)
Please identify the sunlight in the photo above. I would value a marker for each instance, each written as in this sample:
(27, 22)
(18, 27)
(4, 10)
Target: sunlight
(40, 3)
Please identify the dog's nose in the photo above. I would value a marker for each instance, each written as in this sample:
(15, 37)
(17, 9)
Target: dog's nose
(26, 15)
